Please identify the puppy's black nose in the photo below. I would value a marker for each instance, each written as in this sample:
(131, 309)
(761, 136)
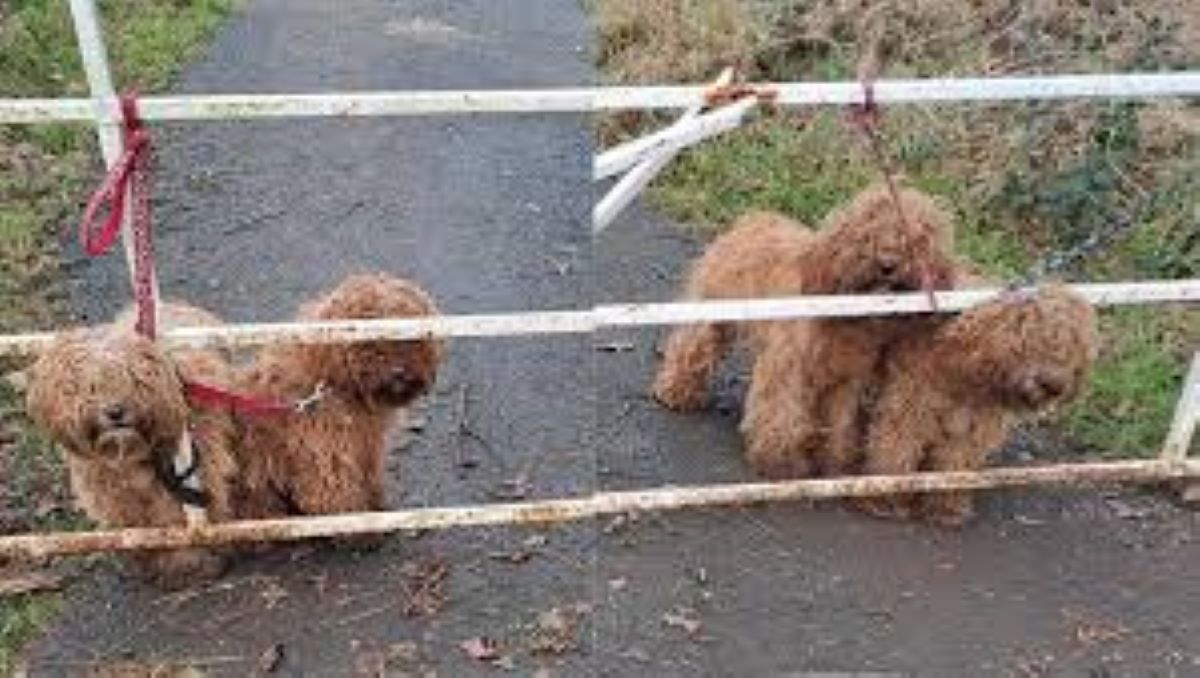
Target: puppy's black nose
(114, 413)
(887, 267)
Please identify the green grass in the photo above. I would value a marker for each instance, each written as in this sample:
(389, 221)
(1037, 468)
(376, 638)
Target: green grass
(1132, 395)
(45, 172)
(21, 617)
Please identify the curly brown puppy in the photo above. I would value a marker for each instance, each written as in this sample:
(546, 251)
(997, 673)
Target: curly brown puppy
(950, 398)
(330, 459)
(810, 377)
(115, 401)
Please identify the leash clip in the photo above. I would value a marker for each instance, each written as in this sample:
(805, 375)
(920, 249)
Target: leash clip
(308, 403)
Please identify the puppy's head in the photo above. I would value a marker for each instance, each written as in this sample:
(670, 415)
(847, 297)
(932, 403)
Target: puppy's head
(1028, 352)
(384, 373)
(108, 395)
(867, 248)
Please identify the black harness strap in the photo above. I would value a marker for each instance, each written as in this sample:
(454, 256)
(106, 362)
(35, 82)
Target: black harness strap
(176, 483)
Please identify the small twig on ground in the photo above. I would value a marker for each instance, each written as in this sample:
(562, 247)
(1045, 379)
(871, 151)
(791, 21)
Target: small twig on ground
(462, 430)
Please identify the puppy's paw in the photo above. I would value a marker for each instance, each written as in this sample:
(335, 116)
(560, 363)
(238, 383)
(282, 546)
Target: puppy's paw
(360, 543)
(782, 467)
(951, 510)
(678, 395)
(180, 568)
(898, 507)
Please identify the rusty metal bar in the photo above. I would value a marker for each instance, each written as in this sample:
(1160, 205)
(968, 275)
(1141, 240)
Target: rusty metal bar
(604, 503)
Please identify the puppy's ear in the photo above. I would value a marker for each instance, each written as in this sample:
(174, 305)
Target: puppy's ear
(50, 406)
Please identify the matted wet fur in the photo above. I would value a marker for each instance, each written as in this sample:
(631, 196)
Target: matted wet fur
(331, 458)
(951, 398)
(114, 401)
(811, 378)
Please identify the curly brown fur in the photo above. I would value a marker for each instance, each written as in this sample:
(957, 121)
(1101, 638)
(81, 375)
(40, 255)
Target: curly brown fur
(811, 378)
(114, 400)
(331, 459)
(951, 398)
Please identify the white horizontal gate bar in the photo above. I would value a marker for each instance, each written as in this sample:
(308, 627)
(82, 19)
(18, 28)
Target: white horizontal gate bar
(585, 100)
(622, 315)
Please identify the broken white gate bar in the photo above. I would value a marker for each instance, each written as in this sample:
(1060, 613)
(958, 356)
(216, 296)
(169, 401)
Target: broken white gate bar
(620, 158)
(594, 99)
(599, 504)
(653, 155)
(621, 315)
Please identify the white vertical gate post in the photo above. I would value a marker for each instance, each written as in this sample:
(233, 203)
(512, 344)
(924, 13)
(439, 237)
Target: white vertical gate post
(1187, 415)
(1183, 429)
(108, 119)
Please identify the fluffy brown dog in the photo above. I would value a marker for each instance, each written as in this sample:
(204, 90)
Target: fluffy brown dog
(811, 378)
(950, 398)
(115, 401)
(330, 459)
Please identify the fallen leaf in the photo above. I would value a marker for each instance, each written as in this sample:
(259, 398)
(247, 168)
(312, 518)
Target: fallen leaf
(1089, 629)
(273, 594)
(555, 631)
(617, 584)
(424, 587)
(636, 654)
(535, 541)
(615, 525)
(481, 648)
(515, 488)
(321, 583)
(515, 557)
(1126, 511)
(270, 658)
(405, 652)
(683, 618)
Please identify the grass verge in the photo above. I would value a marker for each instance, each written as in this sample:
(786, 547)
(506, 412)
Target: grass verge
(1025, 180)
(43, 175)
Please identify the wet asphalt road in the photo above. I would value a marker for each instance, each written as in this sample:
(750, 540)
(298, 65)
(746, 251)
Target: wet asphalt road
(489, 213)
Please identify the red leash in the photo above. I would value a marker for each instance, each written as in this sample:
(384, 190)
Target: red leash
(866, 117)
(130, 175)
(129, 179)
(212, 396)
